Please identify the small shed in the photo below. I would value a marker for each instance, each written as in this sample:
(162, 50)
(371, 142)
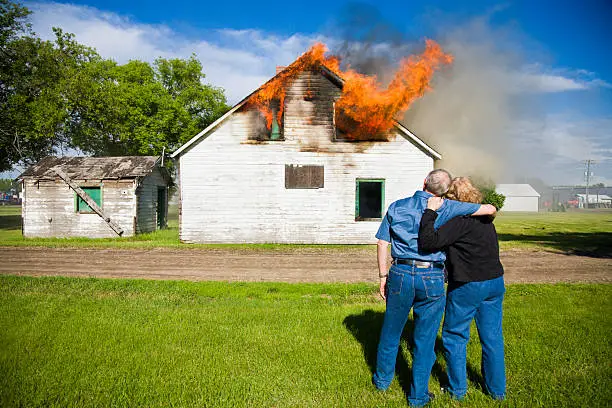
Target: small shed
(519, 197)
(94, 197)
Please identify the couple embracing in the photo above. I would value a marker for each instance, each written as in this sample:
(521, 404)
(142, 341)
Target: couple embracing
(425, 232)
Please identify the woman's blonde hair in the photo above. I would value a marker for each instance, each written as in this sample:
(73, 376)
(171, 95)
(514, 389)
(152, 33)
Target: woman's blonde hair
(461, 189)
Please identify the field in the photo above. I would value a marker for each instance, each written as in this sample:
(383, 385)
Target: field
(545, 247)
(125, 343)
(227, 342)
(581, 233)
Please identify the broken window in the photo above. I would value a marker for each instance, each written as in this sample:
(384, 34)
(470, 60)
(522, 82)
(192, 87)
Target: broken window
(95, 194)
(347, 129)
(369, 199)
(342, 125)
(299, 176)
(275, 132)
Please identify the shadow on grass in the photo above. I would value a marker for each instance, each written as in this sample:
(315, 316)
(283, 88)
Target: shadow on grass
(593, 244)
(365, 327)
(475, 376)
(10, 222)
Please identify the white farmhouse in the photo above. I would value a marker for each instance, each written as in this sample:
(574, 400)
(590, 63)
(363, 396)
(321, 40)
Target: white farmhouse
(519, 197)
(300, 181)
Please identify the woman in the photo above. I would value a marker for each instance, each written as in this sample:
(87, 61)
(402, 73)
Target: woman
(475, 289)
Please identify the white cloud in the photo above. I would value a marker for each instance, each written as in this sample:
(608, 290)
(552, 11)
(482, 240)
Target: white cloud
(557, 147)
(238, 60)
(547, 83)
(242, 60)
(537, 79)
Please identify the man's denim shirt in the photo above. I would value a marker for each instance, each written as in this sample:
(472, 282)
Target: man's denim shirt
(401, 224)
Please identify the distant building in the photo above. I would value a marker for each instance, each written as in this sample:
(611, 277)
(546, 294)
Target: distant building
(519, 197)
(595, 200)
(95, 197)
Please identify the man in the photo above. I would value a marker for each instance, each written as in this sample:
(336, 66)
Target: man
(415, 280)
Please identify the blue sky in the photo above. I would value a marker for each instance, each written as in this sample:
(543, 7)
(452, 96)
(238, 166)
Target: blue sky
(530, 95)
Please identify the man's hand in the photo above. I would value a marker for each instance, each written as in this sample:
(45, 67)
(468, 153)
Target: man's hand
(433, 203)
(383, 286)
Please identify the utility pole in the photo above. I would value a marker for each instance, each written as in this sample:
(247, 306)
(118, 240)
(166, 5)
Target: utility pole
(587, 176)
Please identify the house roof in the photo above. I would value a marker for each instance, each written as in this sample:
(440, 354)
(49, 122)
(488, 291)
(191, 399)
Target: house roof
(335, 79)
(93, 168)
(517, 190)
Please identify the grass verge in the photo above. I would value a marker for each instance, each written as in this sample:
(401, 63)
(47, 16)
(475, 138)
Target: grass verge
(580, 233)
(126, 343)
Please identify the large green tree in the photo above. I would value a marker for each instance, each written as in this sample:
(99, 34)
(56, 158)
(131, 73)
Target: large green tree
(60, 94)
(138, 108)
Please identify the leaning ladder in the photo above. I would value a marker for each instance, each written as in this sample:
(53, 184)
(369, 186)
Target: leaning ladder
(90, 202)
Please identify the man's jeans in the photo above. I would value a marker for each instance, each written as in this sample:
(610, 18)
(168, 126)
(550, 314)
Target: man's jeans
(483, 301)
(423, 289)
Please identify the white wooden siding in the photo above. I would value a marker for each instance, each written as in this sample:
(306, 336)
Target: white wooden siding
(49, 210)
(233, 190)
(513, 203)
(147, 202)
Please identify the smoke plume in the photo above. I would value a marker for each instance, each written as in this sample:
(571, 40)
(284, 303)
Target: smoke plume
(475, 103)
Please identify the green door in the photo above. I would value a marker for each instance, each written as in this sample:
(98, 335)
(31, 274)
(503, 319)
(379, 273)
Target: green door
(161, 207)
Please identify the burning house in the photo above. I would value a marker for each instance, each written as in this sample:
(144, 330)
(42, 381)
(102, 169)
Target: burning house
(315, 155)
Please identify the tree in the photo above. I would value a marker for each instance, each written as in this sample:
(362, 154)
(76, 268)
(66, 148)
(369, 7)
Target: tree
(61, 94)
(137, 108)
(5, 185)
(33, 74)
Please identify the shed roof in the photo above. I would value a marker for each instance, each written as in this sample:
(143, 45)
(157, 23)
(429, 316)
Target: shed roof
(517, 190)
(93, 168)
(336, 80)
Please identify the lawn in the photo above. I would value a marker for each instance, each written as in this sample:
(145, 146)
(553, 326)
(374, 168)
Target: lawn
(586, 232)
(126, 343)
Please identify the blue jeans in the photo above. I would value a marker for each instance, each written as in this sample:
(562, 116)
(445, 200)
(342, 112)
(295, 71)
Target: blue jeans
(423, 289)
(483, 301)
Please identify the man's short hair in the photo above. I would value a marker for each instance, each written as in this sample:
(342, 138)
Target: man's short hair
(438, 181)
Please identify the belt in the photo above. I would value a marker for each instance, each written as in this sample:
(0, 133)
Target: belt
(418, 264)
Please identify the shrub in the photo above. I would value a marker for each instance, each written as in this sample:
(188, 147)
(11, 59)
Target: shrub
(490, 196)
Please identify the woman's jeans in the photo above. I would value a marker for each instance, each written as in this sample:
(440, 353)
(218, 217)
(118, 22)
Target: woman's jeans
(423, 289)
(483, 301)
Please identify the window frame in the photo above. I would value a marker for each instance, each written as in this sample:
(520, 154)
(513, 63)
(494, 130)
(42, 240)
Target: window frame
(78, 199)
(281, 128)
(382, 198)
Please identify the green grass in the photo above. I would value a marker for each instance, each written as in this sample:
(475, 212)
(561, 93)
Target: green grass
(126, 343)
(583, 233)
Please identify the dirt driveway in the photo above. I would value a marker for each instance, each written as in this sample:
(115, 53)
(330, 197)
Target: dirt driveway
(287, 265)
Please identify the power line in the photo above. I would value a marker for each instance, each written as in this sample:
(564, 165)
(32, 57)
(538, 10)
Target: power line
(587, 176)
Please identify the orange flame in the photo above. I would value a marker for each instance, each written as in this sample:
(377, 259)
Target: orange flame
(365, 110)
(276, 88)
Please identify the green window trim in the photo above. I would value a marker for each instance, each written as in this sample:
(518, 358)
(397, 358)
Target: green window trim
(358, 216)
(95, 193)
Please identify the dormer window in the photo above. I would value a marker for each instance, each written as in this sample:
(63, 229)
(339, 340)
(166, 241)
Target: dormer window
(274, 132)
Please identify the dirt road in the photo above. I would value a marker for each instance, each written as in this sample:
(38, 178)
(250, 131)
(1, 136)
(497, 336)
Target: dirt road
(287, 265)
